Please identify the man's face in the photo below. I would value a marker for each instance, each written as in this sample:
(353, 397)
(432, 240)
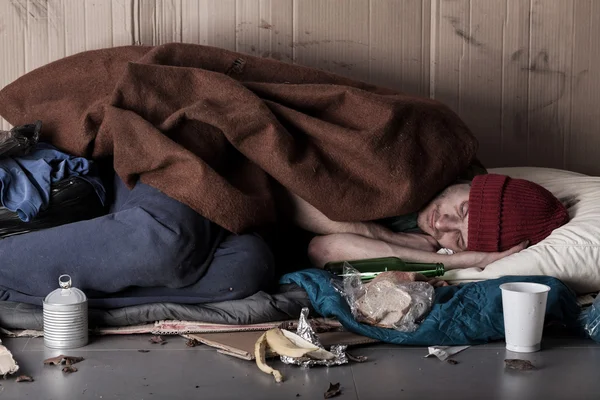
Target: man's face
(446, 218)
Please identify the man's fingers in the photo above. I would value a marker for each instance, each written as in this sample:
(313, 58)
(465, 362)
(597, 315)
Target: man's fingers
(513, 250)
(437, 282)
(516, 249)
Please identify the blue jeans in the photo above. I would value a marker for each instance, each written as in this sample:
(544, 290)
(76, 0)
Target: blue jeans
(148, 249)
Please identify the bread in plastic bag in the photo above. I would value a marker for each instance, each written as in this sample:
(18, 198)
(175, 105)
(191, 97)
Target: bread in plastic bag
(391, 300)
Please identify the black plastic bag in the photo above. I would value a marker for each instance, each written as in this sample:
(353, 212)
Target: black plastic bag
(72, 199)
(20, 140)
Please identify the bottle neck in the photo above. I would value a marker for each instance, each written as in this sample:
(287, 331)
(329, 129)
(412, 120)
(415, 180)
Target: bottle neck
(376, 265)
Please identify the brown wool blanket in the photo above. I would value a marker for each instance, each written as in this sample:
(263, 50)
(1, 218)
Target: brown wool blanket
(219, 130)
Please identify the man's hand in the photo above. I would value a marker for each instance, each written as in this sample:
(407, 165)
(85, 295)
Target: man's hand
(437, 282)
(476, 259)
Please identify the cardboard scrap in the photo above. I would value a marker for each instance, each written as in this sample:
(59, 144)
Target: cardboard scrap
(241, 344)
(21, 333)
(175, 327)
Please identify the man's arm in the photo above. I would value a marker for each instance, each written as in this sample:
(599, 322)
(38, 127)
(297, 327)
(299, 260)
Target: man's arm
(309, 218)
(339, 247)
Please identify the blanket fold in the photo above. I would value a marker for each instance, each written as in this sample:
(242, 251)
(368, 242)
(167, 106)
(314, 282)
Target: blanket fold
(216, 129)
(465, 314)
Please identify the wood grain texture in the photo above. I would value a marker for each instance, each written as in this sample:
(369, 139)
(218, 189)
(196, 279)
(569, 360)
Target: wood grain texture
(521, 73)
(583, 134)
(551, 53)
(399, 40)
(333, 35)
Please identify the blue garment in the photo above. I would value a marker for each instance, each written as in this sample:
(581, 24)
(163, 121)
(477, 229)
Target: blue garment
(149, 249)
(461, 315)
(25, 182)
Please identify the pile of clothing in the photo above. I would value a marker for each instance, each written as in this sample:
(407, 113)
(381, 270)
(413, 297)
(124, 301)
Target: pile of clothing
(42, 187)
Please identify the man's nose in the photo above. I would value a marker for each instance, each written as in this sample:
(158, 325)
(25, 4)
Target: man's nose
(447, 223)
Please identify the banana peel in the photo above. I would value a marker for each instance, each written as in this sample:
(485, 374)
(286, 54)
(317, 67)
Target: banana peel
(317, 354)
(260, 349)
(288, 345)
(285, 343)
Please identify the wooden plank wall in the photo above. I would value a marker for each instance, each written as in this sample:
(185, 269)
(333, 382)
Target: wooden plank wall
(524, 74)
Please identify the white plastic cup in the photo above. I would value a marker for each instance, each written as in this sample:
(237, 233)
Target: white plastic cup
(524, 308)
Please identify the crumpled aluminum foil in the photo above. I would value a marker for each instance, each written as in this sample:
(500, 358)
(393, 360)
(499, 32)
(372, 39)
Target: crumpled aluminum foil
(444, 352)
(306, 332)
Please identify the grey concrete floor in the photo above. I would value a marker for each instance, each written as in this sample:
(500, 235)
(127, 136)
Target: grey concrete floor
(114, 369)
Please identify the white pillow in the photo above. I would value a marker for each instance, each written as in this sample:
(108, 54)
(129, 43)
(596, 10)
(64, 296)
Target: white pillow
(572, 252)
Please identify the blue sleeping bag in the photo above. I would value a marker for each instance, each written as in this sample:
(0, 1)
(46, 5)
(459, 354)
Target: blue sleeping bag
(465, 314)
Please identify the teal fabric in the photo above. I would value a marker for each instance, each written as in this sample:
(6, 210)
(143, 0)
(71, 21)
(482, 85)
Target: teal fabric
(467, 314)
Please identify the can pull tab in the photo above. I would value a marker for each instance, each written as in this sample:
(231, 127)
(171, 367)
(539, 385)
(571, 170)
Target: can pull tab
(64, 281)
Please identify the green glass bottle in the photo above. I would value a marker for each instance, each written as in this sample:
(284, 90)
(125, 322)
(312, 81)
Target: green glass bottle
(371, 267)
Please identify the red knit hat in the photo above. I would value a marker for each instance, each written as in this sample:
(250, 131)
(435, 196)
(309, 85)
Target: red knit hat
(504, 212)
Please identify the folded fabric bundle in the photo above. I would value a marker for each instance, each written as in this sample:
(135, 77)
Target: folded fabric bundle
(26, 181)
(72, 199)
(214, 129)
(465, 314)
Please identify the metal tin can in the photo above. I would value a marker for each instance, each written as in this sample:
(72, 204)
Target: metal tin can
(65, 317)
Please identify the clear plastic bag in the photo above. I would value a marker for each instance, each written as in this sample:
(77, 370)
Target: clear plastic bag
(19, 140)
(591, 320)
(387, 301)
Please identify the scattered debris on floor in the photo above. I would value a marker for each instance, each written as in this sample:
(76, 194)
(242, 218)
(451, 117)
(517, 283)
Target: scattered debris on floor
(192, 343)
(240, 344)
(306, 334)
(143, 351)
(519, 365)
(358, 359)
(8, 365)
(286, 343)
(260, 351)
(333, 391)
(63, 360)
(444, 352)
(67, 361)
(157, 340)
(452, 362)
(24, 378)
(302, 348)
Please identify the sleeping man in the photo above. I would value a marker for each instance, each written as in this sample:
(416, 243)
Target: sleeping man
(152, 248)
(481, 222)
(190, 119)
